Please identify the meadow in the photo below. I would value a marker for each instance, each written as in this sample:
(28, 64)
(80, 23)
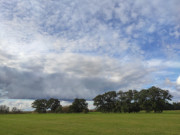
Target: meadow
(94, 123)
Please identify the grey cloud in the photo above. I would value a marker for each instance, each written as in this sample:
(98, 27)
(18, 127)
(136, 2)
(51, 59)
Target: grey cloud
(70, 77)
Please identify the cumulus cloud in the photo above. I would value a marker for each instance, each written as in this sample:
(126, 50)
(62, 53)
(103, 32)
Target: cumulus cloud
(82, 48)
(178, 81)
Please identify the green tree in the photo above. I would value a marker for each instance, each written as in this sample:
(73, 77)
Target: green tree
(99, 103)
(54, 105)
(58, 109)
(145, 100)
(128, 101)
(154, 99)
(79, 105)
(40, 105)
(106, 102)
(159, 98)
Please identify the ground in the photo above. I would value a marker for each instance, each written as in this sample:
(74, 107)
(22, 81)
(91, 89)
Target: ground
(166, 123)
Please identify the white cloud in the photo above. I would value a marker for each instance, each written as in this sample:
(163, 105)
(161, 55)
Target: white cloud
(21, 104)
(82, 48)
(161, 63)
(178, 81)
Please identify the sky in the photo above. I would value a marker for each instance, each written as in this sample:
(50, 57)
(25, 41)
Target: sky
(70, 49)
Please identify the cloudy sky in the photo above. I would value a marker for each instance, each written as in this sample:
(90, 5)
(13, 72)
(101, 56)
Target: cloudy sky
(80, 48)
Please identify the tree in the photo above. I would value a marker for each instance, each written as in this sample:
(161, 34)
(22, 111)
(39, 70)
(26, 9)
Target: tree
(106, 102)
(79, 105)
(145, 100)
(58, 109)
(110, 101)
(40, 105)
(154, 99)
(159, 98)
(99, 103)
(136, 104)
(4, 109)
(15, 110)
(54, 105)
(176, 106)
(128, 101)
(168, 106)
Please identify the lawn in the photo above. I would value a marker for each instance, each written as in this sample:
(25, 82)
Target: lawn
(167, 123)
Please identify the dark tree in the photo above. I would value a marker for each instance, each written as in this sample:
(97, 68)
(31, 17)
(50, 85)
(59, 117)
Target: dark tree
(4, 109)
(159, 98)
(145, 100)
(54, 105)
(168, 106)
(122, 99)
(136, 104)
(176, 106)
(79, 105)
(40, 105)
(128, 101)
(58, 109)
(15, 110)
(99, 103)
(154, 99)
(106, 102)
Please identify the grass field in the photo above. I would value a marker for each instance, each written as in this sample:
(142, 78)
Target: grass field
(167, 123)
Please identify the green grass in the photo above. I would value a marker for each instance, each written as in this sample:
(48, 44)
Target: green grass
(167, 123)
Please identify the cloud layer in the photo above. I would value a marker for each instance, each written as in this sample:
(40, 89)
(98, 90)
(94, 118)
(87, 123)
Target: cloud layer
(71, 75)
(67, 49)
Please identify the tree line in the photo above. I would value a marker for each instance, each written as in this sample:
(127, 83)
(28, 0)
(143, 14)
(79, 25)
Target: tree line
(152, 99)
(5, 109)
(53, 105)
